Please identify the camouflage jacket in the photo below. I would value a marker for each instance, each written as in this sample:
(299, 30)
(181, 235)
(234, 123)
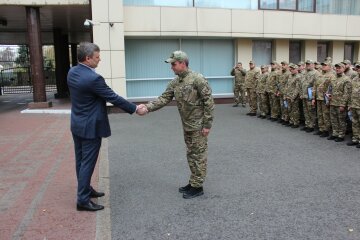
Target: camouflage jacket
(261, 85)
(283, 78)
(272, 82)
(355, 93)
(293, 87)
(194, 100)
(239, 75)
(308, 81)
(251, 78)
(351, 73)
(322, 85)
(341, 90)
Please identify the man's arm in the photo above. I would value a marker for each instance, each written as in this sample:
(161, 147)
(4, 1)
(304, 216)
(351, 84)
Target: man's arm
(163, 100)
(205, 92)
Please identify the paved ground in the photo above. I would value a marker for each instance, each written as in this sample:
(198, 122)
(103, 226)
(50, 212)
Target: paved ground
(265, 181)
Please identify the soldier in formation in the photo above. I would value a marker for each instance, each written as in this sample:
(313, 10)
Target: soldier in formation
(239, 91)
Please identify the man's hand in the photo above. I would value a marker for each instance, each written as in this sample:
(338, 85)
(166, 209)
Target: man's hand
(342, 109)
(141, 110)
(205, 131)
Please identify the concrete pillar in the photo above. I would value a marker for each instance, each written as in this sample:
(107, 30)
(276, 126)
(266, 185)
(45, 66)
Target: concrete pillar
(62, 62)
(337, 51)
(281, 50)
(244, 51)
(74, 54)
(36, 58)
(109, 35)
(310, 50)
(357, 51)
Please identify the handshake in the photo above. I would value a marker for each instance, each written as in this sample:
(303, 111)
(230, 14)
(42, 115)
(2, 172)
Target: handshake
(141, 110)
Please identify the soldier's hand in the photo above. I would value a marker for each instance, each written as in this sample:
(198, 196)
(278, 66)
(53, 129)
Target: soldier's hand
(205, 131)
(342, 109)
(313, 102)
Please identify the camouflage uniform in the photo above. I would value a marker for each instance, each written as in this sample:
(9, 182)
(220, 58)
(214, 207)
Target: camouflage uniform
(262, 97)
(323, 108)
(341, 90)
(293, 90)
(239, 90)
(251, 79)
(196, 105)
(309, 110)
(272, 88)
(283, 78)
(350, 73)
(355, 108)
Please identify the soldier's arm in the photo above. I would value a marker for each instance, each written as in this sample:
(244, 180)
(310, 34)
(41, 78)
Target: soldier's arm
(205, 93)
(347, 92)
(162, 100)
(232, 73)
(243, 72)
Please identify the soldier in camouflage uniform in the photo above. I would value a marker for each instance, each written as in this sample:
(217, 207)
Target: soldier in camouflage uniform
(260, 91)
(339, 100)
(196, 106)
(318, 67)
(292, 93)
(348, 70)
(321, 88)
(301, 69)
(283, 78)
(272, 88)
(251, 79)
(239, 90)
(354, 107)
(306, 88)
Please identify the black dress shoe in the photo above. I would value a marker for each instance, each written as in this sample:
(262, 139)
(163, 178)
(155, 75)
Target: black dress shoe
(339, 139)
(325, 134)
(95, 194)
(331, 138)
(351, 143)
(90, 206)
(185, 188)
(193, 192)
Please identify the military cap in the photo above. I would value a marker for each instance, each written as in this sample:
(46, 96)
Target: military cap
(264, 66)
(293, 66)
(309, 62)
(317, 63)
(239, 63)
(328, 59)
(252, 62)
(177, 56)
(285, 63)
(274, 63)
(300, 63)
(346, 62)
(340, 65)
(357, 65)
(327, 63)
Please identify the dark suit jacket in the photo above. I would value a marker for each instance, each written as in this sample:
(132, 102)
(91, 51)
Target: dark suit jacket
(89, 94)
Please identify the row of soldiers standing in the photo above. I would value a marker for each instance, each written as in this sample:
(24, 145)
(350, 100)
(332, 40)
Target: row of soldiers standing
(323, 94)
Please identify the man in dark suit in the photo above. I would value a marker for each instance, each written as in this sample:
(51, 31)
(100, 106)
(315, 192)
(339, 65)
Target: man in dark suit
(89, 120)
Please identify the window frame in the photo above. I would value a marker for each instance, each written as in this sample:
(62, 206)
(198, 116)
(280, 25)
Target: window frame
(291, 10)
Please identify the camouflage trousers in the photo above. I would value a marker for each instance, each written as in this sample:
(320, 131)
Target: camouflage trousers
(239, 94)
(309, 113)
(196, 153)
(294, 112)
(263, 104)
(252, 99)
(338, 121)
(275, 106)
(356, 124)
(323, 116)
(284, 110)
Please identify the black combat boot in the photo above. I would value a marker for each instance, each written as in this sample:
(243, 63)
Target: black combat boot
(185, 188)
(331, 138)
(309, 130)
(339, 139)
(352, 143)
(324, 134)
(193, 192)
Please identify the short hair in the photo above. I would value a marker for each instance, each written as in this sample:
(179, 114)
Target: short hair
(186, 61)
(86, 49)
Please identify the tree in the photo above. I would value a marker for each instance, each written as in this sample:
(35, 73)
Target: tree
(22, 60)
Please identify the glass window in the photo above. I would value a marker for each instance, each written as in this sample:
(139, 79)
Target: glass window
(175, 3)
(287, 4)
(295, 51)
(262, 52)
(345, 7)
(349, 51)
(306, 5)
(243, 4)
(322, 51)
(268, 4)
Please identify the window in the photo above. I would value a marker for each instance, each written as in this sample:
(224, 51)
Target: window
(175, 3)
(290, 5)
(322, 51)
(262, 52)
(243, 4)
(349, 51)
(346, 7)
(295, 51)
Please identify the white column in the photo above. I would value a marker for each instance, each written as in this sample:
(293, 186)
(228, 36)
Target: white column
(281, 50)
(244, 51)
(337, 50)
(310, 50)
(109, 35)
